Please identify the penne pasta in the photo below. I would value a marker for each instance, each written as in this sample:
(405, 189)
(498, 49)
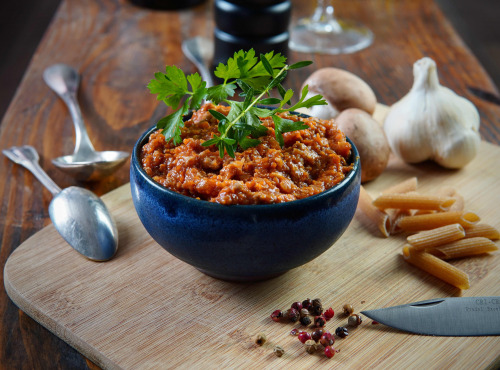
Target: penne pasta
(434, 220)
(378, 217)
(413, 201)
(403, 187)
(484, 230)
(464, 248)
(448, 191)
(394, 216)
(435, 237)
(437, 267)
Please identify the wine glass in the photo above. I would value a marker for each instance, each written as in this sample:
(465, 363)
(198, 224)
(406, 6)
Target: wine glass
(323, 33)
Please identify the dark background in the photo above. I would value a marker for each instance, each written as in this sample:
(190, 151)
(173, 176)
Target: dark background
(23, 23)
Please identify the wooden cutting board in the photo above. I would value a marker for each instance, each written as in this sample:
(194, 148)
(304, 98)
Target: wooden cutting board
(147, 309)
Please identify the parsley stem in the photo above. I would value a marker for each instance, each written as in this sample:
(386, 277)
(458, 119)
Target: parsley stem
(243, 112)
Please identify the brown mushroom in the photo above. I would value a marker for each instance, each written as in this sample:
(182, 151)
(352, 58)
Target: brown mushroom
(342, 90)
(369, 138)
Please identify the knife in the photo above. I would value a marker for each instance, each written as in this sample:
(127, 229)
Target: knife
(464, 316)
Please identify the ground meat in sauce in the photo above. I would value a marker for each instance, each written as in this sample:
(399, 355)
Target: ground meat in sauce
(311, 161)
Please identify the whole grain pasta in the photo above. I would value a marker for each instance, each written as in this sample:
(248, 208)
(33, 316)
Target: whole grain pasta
(437, 267)
(464, 248)
(435, 237)
(433, 220)
(378, 217)
(413, 201)
(484, 230)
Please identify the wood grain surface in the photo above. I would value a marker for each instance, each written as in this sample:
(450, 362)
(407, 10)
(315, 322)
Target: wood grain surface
(117, 47)
(147, 309)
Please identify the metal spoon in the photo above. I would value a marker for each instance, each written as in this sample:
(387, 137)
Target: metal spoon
(78, 215)
(198, 50)
(85, 163)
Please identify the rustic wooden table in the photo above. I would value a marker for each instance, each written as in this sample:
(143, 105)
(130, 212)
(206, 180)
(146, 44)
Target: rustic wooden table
(117, 47)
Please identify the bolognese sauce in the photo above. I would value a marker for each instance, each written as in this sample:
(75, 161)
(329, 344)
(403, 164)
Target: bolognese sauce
(311, 161)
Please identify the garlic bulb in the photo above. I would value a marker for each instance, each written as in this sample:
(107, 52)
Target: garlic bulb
(433, 122)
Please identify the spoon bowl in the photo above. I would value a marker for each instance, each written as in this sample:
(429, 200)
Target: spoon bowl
(78, 215)
(85, 164)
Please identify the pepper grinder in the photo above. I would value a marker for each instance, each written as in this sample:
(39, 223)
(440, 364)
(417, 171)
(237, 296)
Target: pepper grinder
(258, 24)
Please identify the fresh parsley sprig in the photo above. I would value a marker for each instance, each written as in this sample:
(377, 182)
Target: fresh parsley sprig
(256, 78)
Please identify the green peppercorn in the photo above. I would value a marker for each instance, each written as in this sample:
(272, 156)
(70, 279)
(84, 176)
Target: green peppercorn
(304, 312)
(311, 346)
(260, 339)
(354, 320)
(278, 351)
(348, 309)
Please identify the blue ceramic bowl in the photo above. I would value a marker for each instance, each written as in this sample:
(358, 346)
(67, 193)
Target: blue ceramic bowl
(243, 242)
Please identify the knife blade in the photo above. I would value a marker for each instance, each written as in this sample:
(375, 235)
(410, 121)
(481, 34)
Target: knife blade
(464, 316)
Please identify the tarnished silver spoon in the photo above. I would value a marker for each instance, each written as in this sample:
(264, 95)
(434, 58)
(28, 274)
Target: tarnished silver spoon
(85, 164)
(78, 215)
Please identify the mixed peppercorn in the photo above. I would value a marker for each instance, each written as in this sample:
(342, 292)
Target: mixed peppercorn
(310, 313)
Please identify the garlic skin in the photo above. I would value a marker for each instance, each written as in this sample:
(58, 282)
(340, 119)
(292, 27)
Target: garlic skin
(432, 122)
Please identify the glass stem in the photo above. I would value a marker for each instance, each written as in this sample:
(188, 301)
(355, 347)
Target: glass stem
(323, 19)
(323, 12)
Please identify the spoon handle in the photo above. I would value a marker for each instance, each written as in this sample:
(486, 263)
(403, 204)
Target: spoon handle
(64, 81)
(196, 50)
(27, 157)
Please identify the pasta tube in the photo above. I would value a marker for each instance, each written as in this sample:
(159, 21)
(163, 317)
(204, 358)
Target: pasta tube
(437, 267)
(413, 201)
(436, 237)
(434, 220)
(465, 248)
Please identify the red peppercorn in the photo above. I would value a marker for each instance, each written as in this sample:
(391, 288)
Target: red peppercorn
(319, 321)
(316, 335)
(327, 339)
(328, 314)
(293, 315)
(294, 331)
(304, 336)
(276, 315)
(329, 352)
(297, 305)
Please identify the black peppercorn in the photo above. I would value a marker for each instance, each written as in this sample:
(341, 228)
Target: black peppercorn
(319, 321)
(341, 332)
(306, 303)
(316, 310)
(305, 320)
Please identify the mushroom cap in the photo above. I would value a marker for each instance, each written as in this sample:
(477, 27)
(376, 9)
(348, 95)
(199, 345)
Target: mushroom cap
(342, 89)
(370, 140)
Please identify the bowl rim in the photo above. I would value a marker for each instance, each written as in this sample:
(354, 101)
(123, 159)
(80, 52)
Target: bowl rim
(135, 163)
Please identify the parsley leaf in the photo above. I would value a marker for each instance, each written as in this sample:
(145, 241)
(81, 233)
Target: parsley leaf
(241, 128)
